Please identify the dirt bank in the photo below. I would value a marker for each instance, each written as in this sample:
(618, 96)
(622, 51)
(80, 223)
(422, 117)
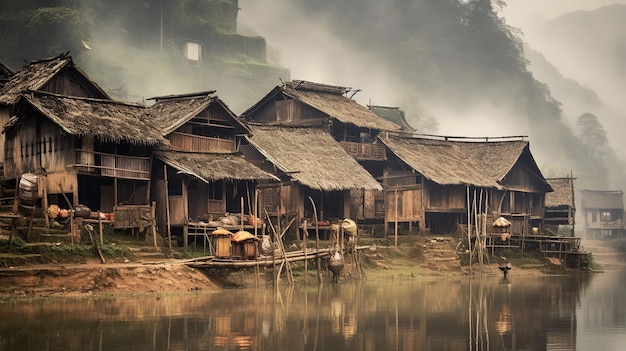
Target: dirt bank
(413, 258)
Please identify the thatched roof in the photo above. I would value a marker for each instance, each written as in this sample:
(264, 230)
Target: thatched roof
(172, 111)
(36, 74)
(105, 120)
(330, 100)
(393, 114)
(602, 199)
(211, 167)
(311, 157)
(563, 194)
(445, 162)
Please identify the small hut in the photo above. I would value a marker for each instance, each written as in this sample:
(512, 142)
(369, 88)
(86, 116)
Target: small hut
(245, 245)
(560, 207)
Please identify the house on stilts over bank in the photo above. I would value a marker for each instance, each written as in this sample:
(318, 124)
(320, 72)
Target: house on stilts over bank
(560, 212)
(201, 179)
(84, 151)
(59, 75)
(311, 165)
(433, 183)
(353, 126)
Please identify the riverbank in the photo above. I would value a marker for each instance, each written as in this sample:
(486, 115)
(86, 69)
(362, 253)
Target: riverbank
(62, 270)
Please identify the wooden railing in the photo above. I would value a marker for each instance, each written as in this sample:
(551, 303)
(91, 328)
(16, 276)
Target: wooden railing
(191, 142)
(363, 151)
(110, 165)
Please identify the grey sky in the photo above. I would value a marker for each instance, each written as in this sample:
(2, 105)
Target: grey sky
(522, 13)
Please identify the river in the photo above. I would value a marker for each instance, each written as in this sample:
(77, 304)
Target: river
(583, 311)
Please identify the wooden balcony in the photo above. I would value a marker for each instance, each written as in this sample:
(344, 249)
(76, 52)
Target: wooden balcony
(110, 165)
(190, 142)
(364, 152)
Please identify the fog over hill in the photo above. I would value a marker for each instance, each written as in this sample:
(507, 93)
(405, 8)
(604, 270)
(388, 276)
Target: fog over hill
(453, 71)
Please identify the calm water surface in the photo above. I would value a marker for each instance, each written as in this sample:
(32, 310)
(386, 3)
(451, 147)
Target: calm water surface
(579, 312)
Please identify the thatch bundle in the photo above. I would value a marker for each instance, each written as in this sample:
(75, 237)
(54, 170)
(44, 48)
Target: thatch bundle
(501, 222)
(221, 231)
(243, 235)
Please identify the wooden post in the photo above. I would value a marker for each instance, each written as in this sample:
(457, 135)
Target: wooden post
(44, 183)
(317, 242)
(396, 221)
(100, 227)
(242, 214)
(153, 222)
(306, 259)
(167, 211)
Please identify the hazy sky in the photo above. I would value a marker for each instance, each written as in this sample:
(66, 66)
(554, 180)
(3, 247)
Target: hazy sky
(523, 13)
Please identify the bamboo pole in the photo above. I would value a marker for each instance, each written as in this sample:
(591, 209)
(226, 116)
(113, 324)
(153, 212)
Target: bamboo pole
(153, 222)
(45, 199)
(100, 229)
(167, 212)
(396, 224)
(306, 265)
(241, 220)
(317, 241)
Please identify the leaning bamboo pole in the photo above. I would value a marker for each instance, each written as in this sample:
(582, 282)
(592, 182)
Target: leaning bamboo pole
(317, 241)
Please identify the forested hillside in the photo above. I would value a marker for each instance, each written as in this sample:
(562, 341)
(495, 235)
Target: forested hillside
(448, 63)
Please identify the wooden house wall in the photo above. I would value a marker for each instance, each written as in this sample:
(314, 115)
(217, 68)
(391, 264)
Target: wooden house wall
(520, 179)
(286, 111)
(404, 205)
(292, 110)
(5, 115)
(65, 84)
(56, 148)
(209, 131)
(449, 198)
(366, 204)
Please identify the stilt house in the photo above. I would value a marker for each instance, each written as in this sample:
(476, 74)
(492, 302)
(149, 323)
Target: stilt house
(330, 108)
(434, 184)
(201, 176)
(560, 210)
(603, 213)
(89, 151)
(58, 75)
(310, 163)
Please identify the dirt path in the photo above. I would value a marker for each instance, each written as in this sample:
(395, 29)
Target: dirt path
(604, 253)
